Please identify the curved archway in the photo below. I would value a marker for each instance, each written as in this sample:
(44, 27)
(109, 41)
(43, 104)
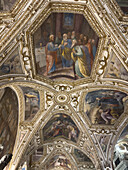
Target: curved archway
(8, 120)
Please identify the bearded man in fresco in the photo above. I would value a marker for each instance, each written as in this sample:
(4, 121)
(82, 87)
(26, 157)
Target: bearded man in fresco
(51, 55)
(66, 51)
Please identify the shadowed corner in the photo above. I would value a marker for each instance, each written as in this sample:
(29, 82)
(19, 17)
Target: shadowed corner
(5, 160)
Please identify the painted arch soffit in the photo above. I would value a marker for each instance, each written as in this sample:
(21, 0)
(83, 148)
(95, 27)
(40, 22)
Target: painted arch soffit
(57, 7)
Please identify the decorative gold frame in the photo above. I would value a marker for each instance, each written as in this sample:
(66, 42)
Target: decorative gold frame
(17, 28)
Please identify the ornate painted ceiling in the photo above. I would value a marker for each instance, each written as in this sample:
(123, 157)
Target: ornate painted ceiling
(64, 84)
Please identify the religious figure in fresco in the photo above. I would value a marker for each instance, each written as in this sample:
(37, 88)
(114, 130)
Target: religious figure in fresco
(106, 115)
(79, 58)
(104, 106)
(53, 58)
(51, 55)
(89, 45)
(73, 36)
(61, 125)
(66, 51)
(93, 48)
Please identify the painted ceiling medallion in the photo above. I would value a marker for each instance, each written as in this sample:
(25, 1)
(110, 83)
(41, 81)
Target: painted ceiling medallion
(61, 98)
(65, 47)
(64, 83)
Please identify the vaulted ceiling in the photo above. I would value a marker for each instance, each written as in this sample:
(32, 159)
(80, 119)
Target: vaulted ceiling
(64, 105)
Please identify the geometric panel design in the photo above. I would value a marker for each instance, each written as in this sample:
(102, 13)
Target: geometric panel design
(65, 46)
(115, 69)
(104, 106)
(38, 153)
(60, 125)
(12, 65)
(103, 141)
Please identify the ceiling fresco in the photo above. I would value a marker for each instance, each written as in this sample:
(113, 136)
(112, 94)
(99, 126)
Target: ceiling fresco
(104, 106)
(12, 65)
(115, 69)
(64, 84)
(80, 156)
(6, 5)
(65, 46)
(61, 125)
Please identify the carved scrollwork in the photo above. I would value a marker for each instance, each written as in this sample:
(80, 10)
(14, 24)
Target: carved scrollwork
(24, 52)
(63, 87)
(75, 97)
(49, 97)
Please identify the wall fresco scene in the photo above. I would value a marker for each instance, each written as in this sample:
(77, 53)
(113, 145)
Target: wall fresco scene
(80, 156)
(32, 102)
(65, 47)
(83, 159)
(12, 65)
(116, 69)
(104, 106)
(61, 125)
